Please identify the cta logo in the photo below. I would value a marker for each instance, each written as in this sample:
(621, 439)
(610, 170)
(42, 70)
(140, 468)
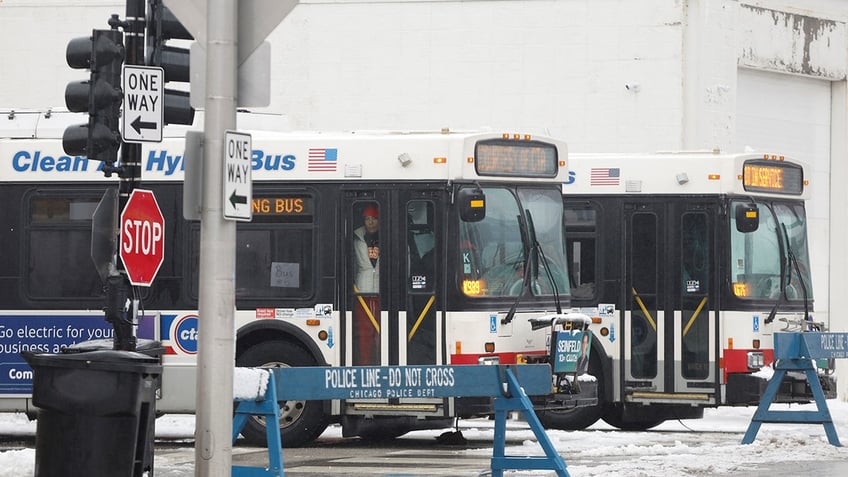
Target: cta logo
(184, 334)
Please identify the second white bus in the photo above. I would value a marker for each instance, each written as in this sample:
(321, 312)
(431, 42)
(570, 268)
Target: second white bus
(688, 264)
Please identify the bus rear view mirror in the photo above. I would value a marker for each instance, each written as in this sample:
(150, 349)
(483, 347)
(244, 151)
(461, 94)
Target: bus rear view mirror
(472, 204)
(747, 218)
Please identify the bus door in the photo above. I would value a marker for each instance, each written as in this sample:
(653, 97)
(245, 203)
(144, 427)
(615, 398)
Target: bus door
(669, 335)
(394, 275)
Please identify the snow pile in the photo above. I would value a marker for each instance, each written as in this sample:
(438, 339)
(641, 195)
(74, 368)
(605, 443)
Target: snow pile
(250, 384)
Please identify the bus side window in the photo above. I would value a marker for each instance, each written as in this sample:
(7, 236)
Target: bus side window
(581, 242)
(58, 241)
(275, 262)
(275, 253)
(420, 245)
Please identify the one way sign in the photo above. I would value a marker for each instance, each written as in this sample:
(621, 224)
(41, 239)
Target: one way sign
(238, 180)
(144, 113)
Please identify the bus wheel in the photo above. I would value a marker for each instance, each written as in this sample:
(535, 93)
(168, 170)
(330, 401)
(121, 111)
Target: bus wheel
(383, 430)
(579, 418)
(575, 419)
(629, 421)
(301, 422)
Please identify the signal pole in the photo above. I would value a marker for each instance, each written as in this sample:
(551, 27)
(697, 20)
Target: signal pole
(118, 288)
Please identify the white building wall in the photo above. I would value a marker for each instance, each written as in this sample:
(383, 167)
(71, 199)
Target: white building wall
(33, 37)
(838, 252)
(544, 65)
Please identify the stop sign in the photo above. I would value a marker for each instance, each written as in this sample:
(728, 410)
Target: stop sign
(142, 237)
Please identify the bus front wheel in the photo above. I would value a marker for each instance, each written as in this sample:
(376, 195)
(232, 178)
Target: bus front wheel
(301, 422)
(579, 418)
(575, 419)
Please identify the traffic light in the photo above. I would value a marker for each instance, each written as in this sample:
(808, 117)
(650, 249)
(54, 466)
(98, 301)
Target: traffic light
(162, 25)
(100, 96)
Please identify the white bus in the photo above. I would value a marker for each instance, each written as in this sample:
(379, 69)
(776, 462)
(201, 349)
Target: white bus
(470, 248)
(688, 263)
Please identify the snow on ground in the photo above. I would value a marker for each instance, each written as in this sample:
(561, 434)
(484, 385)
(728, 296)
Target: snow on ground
(709, 446)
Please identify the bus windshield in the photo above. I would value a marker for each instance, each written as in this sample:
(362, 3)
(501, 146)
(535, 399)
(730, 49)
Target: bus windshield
(495, 250)
(776, 252)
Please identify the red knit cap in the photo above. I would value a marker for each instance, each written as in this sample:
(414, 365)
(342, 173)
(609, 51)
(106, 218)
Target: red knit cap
(371, 211)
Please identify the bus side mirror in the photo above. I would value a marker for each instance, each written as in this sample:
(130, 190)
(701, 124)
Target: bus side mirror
(747, 218)
(472, 204)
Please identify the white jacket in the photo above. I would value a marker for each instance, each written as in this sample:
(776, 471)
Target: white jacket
(367, 276)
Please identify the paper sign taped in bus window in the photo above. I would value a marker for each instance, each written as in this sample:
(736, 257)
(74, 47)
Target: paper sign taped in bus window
(285, 275)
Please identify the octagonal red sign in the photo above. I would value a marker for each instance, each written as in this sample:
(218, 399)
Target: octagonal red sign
(142, 237)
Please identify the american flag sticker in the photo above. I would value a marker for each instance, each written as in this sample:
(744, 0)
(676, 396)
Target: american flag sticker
(604, 176)
(322, 160)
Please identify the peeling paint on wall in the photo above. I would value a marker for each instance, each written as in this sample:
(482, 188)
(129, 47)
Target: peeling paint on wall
(792, 43)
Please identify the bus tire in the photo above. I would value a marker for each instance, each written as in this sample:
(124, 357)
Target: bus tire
(576, 419)
(301, 422)
(579, 418)
(616, 416)
(387, 431)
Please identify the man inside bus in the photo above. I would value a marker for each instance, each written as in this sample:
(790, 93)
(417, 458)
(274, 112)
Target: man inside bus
(366, 267)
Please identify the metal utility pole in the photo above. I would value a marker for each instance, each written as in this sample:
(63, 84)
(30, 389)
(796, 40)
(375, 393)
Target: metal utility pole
(231, 32)
(216, 343)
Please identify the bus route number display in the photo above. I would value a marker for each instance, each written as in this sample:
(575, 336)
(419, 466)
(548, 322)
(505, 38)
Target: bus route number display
(768, 176)
(502, 157)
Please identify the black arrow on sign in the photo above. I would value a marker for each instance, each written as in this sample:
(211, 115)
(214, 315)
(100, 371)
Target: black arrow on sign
(237, 199)
(138, 125)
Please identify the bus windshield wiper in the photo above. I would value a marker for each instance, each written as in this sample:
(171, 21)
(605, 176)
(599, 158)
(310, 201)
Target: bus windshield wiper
(528, 250)
(533, 256)
(540, 257)
(793, 261)
(782, 251)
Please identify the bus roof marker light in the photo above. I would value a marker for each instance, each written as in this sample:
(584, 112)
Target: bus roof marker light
(713, 177)
(440, 160)
(405, 159)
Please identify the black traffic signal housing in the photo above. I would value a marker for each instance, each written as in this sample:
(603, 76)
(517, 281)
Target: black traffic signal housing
(162, 25)
(103, 54)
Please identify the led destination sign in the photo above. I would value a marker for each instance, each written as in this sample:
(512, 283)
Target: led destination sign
(774, 177)
(501, 157)
(292, 208)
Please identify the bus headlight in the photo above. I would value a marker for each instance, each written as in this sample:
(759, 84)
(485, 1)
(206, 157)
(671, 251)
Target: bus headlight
(755, 360)
(489, 360)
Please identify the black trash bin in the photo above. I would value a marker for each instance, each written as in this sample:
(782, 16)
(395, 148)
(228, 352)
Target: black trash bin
(95, 409)
(147, 347)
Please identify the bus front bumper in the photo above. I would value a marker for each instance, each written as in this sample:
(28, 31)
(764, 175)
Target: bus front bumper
(748, 389)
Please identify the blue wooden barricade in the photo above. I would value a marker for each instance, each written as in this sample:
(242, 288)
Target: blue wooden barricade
(795, 352)
(268, 407)
(509, 385)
